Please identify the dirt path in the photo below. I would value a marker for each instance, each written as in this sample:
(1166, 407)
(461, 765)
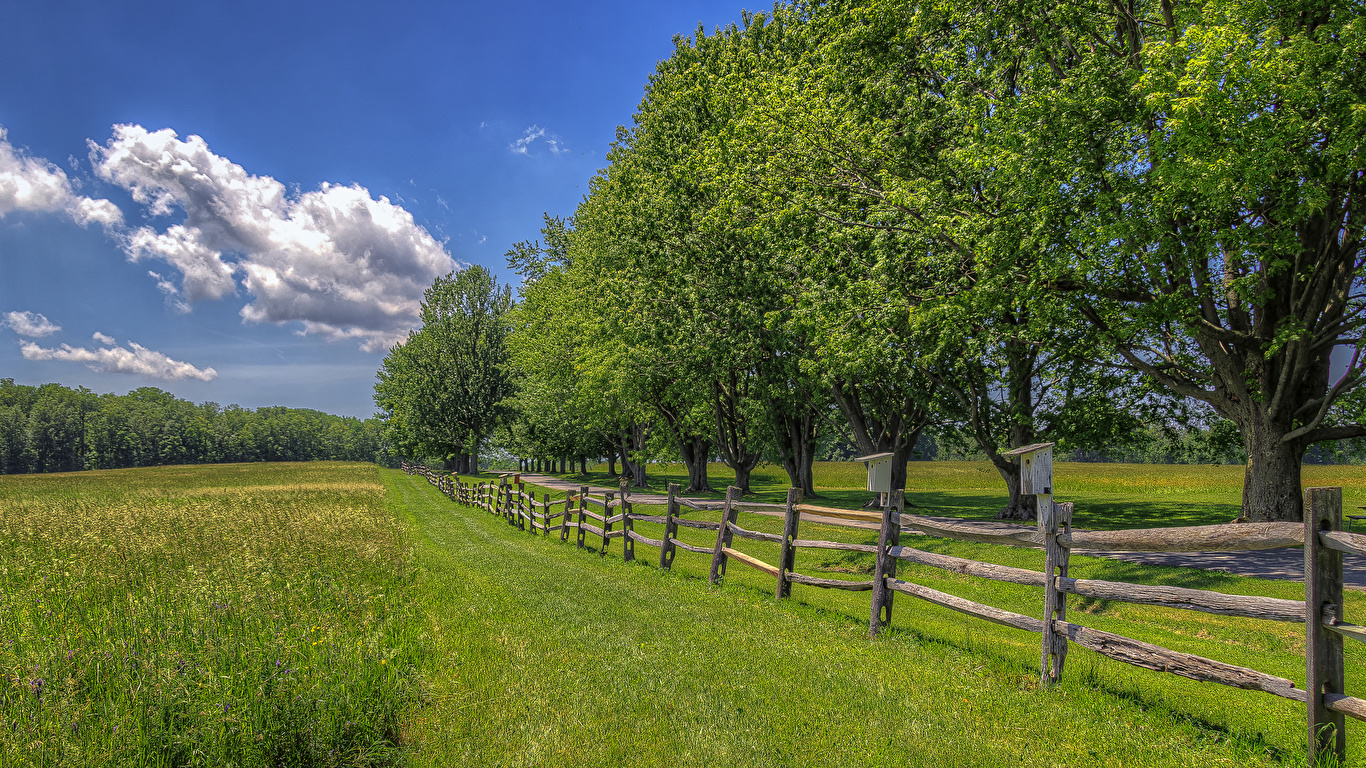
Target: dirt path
(1283, 564)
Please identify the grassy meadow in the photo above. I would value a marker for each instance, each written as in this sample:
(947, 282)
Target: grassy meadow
(251, 614)
(1106, 495)
(341, 614)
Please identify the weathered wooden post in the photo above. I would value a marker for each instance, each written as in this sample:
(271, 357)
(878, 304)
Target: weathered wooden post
(666, 552)
(729, 512)
(1325, 671)
(545, 521)
(884, 568)
(583, 512)
(520, 507)
(606, 526)
(564, 522)
(1036, 479)
(787, 558)
(628, 544)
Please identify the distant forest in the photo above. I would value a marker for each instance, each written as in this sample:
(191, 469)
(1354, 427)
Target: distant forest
(52, 428)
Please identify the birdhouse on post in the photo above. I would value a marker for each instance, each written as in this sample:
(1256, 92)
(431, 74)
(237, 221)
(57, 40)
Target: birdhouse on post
(879, 466)
(1036, 468)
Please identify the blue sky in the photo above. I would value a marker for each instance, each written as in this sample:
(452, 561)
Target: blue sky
(346, 153)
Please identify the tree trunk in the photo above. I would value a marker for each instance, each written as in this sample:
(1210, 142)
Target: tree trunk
(583, 464)
(612, 462)
(742, 470)
(448, 464)
(1271, 483)
(797, 444)
(694, 452)
(1021, 507)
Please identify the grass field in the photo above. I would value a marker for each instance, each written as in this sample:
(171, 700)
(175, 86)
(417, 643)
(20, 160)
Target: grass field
(1106, 495)
(334, 614)
(221, 615)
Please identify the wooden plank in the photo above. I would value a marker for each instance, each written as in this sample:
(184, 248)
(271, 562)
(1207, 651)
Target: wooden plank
(1342, 541)
(840, 514)
(755, 535)
(994, 615)
(1325, 671)
(1011, 536)
(660, 519)
(592, 516)
(851, 586)
(644, 540)
(1347, 630)
(1346, 705)
(1251, 607)
(839, 545)
(591, 500)
(699, 524)
(1159, 659)
(1229, 537)
(614, 519)
(758, 507)
(970, 567)
(589, 527)
(752, 562)
(685, 545)
(614, 534)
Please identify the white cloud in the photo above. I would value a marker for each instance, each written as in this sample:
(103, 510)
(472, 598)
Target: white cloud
(483, 239)
(553, 143)
(134, 358)
(34, 184)
(521, 145)
(30, 324)
(345, 265)
(107, 341)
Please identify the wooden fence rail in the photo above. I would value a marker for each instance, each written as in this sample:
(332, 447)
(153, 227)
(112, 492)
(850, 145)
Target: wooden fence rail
(1320, 535)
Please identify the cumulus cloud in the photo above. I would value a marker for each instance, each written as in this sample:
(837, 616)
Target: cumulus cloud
(108, 341)
(522, 146)
(33, 184)
(342, 263)
(30, 324)
(110, 358)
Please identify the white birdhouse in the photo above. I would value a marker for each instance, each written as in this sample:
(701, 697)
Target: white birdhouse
(1036, 468)
(879, 466)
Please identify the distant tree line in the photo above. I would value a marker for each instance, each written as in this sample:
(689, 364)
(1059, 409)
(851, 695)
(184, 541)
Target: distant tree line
(1133, 229)
(52, 428)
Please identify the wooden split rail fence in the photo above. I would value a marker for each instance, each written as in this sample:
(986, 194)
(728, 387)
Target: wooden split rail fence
(1320, 535)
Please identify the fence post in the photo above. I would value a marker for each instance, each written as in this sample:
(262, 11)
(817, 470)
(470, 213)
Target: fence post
(583, 512)
(888, 536)
(1054, 518)
(666, 552)
(1324, 667)
(545, 521)
(564, 522)
(787, 559)
(628, 544)
(723, 535)
(606, 526)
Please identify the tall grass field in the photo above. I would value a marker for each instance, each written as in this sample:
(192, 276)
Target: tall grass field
(218, 615)
(331, 614)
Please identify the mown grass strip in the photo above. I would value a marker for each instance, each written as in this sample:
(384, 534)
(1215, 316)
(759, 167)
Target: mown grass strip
(544, 654)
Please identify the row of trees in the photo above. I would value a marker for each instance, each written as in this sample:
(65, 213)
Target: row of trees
(53, 428)
(1001, 221)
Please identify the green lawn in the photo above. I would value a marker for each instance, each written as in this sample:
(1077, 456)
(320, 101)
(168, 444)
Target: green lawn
(1106, 495)
(705, 674)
